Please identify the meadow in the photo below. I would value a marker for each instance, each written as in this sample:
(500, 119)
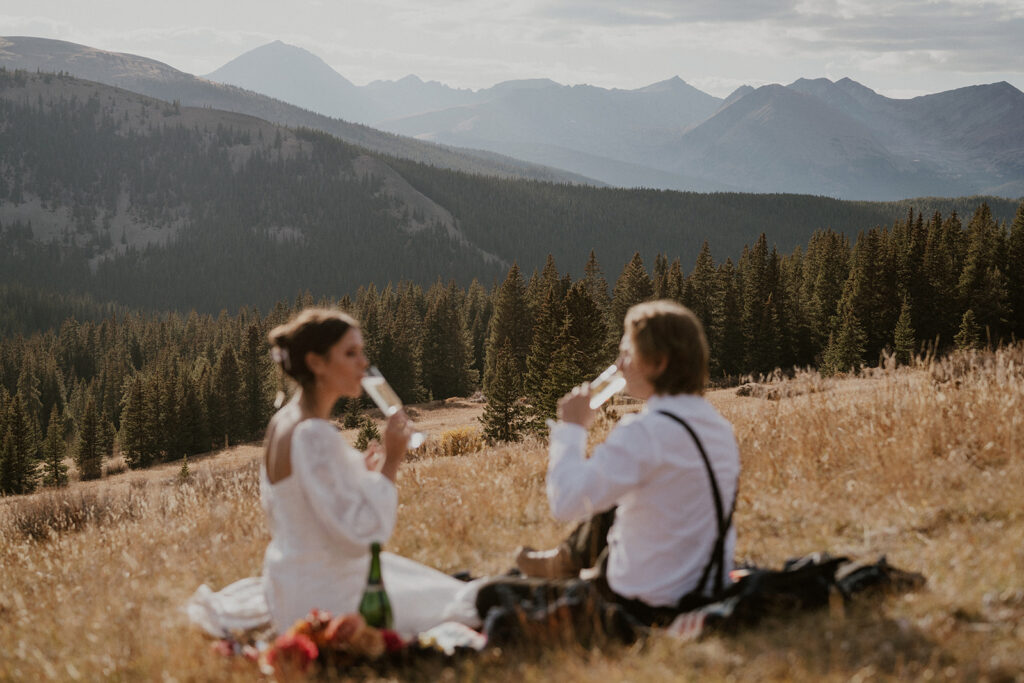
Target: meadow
(921, 464)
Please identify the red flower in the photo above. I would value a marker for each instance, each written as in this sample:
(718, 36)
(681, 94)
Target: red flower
(392, 641)
(295, 651)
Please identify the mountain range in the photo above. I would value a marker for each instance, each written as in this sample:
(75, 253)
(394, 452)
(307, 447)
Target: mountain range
(156, 79)
(153, 204)
(838, 139)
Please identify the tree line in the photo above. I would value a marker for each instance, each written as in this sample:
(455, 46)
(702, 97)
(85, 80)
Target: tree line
(158, 207)
(159, 387)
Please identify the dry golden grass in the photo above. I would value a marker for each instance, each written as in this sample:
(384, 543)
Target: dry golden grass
(921, 464)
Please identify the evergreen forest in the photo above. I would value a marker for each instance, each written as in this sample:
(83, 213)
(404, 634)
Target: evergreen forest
(87, 380)
(123, 198)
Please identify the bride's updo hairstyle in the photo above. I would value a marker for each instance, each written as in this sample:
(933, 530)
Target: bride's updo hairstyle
(314, 329)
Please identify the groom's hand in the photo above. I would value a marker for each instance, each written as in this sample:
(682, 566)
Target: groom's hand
(575, 408)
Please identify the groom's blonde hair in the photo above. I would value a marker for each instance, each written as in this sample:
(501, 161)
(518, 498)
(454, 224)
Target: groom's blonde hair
(667, 330)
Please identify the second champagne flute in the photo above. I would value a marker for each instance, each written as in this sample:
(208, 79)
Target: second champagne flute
(606, 385)
(378, 389)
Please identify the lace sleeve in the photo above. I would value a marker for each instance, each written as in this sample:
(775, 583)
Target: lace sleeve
(355, 504)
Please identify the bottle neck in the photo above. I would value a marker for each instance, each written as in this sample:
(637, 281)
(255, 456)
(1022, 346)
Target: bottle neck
(375, 573)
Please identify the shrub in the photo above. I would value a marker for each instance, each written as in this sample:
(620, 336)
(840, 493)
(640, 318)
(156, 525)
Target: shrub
(37, 517)
(460, 441)
(367, 432)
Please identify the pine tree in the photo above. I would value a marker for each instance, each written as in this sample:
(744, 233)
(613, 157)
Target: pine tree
(587, 327)
(55, 472)
(447, 351)
(1015, 273)
(352, 413)
(726, 333)
(503, 418)
(845, 350)
(983, 285)
(869, 293)
(539, 286)
(184, 475)
(795, 338)
(479, 308)
(660, 282)
(969, 335)
(404, 363)
(633, 287)
(8, 461)
(904, 342)
(702, 286)
(758, 278)
(677, 283)
(367, 432)
(826, 268)
(88, 455)
(138, 441)
(548, 324)
(226, 394)
(596, 284)
(563, 374)
(510, 323)
(18, 470)
(28, 389)
(193, 420)
(254, 368)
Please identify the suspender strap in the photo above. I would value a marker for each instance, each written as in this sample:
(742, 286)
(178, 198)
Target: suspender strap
(718, 552)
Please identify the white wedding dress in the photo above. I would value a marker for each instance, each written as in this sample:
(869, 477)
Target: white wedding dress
(323, 518)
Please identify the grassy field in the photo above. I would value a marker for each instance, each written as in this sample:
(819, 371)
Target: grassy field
(920, 464)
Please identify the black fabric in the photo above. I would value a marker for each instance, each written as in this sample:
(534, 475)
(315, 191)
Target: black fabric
(805, 583)
(550, 612)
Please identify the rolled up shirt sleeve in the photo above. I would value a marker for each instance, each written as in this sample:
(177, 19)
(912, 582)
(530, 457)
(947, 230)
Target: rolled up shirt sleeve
(578, 487)
(354, 504)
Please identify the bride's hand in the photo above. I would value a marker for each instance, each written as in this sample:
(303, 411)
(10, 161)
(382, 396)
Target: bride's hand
(374, 456)
(396, 442)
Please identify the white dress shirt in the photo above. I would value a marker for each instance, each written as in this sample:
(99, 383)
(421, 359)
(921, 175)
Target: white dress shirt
(666, 525)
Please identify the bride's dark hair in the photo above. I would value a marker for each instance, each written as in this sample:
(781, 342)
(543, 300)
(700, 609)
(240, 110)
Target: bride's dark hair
(314, 329)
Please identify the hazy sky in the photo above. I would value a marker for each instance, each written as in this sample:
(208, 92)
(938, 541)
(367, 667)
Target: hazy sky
(898, 48)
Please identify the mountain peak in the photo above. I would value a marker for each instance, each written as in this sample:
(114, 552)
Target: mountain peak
(736, 94)
(527, 84)
(277, 58)
(674, 83)
(819, 82)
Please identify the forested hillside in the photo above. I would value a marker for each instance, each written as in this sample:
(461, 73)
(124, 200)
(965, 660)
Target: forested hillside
(159, 206)
(158, 80)
(158, 387)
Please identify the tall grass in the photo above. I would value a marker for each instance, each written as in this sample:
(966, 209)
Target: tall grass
(921, 464)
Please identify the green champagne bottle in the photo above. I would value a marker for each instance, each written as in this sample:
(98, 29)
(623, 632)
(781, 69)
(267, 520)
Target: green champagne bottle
(375, 606)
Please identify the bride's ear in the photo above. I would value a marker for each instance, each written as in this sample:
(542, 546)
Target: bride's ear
(315, 362)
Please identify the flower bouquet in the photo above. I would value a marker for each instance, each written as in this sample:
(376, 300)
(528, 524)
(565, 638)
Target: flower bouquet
(319, 639)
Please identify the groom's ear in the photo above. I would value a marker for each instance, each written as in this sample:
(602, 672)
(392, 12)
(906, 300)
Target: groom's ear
(658, 368)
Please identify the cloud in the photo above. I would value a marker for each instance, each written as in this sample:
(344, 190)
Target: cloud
(663, 12)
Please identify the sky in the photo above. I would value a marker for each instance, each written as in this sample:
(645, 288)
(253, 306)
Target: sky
(897, 48)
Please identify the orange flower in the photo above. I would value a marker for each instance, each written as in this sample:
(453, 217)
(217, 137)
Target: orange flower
(292, 651)
(342, 628)
(367, 641)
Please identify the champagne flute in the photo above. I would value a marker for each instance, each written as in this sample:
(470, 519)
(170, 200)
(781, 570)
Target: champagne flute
(387, 400)
(606, 385)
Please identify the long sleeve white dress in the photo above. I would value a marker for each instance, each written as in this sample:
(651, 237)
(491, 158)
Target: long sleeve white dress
(323, 518)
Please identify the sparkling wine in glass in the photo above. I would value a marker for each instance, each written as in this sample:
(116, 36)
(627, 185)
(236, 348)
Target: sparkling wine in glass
(606, 385)
(378, 389)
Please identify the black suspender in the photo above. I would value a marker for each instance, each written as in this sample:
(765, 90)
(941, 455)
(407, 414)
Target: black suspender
(718, 552)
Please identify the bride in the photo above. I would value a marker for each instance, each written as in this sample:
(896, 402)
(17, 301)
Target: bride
(326, 503)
